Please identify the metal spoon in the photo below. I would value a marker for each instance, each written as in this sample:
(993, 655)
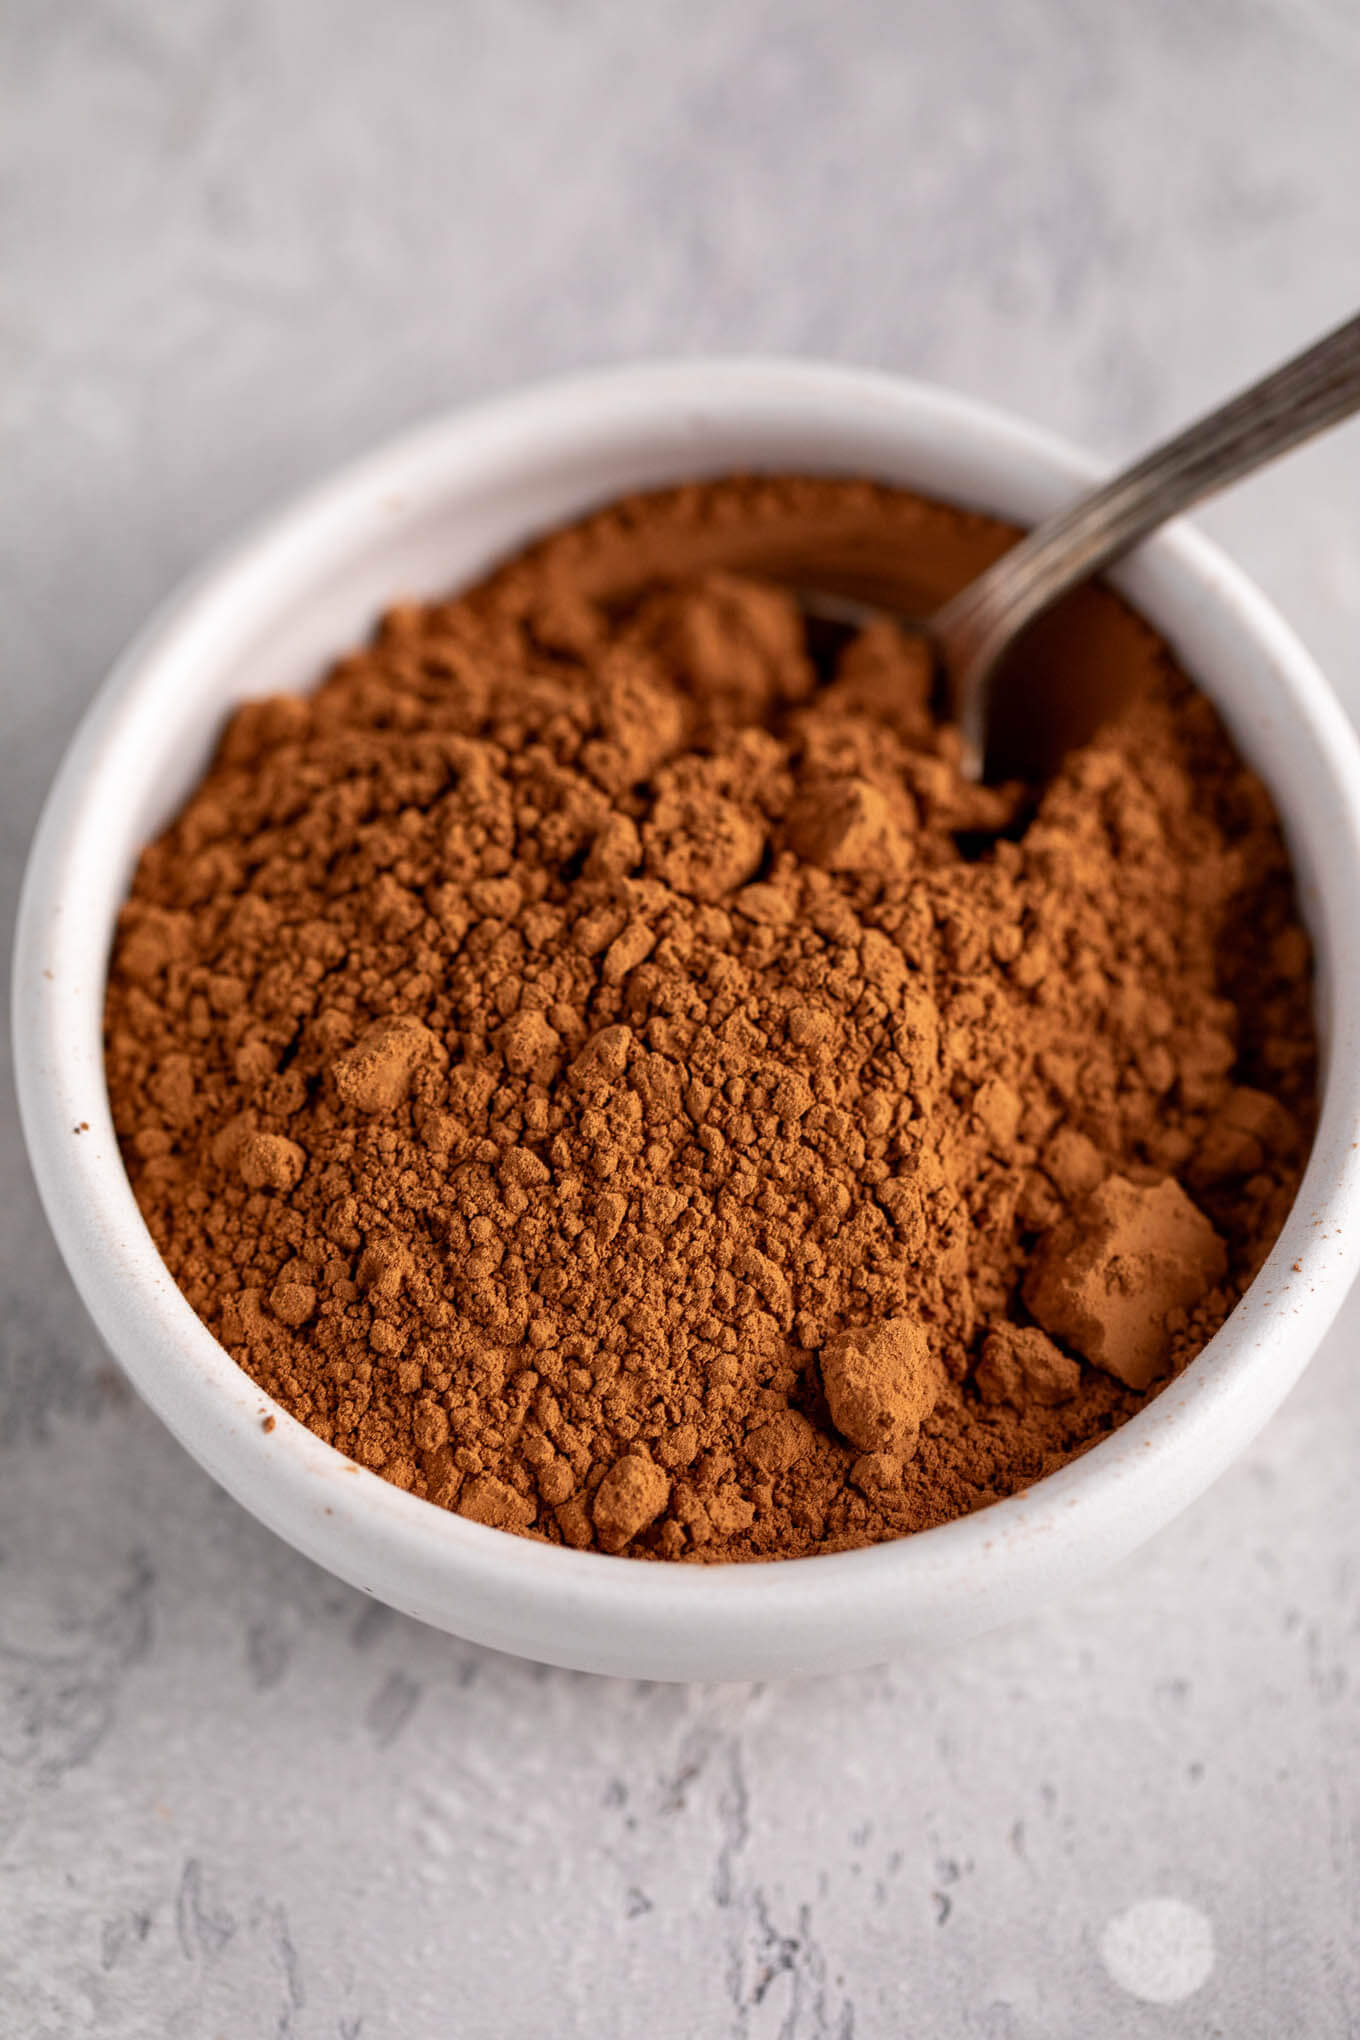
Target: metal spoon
(972, 634)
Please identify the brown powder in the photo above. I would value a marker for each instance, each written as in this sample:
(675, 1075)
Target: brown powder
(626, 1087)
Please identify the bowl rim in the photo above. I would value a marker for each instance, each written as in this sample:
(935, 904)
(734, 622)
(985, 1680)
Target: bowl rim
(583, 1608)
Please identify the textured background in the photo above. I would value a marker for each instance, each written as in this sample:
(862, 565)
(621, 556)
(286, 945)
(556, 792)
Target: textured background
(241, 241)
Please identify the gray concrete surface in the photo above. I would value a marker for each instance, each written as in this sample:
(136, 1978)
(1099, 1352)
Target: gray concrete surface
(241, 240)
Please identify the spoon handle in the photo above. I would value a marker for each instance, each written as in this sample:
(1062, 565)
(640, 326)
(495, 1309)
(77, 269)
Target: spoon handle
(1313, 390)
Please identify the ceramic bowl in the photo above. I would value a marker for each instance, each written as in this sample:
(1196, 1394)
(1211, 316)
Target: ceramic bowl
(432, 511)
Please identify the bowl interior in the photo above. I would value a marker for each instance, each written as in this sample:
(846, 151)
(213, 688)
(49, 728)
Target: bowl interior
(427, 515)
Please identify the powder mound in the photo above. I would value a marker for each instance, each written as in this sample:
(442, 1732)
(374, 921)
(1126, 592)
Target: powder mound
(882, 1382)
(1109, 1279)
(598, 1063)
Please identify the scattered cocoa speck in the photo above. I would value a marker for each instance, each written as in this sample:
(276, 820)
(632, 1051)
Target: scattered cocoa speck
(267, 1423)
(621, 1084)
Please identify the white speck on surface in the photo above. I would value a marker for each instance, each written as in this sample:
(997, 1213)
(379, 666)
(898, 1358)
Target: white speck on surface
(1160, 1950)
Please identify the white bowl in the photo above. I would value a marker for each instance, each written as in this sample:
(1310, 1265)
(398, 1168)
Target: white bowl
(428, 513)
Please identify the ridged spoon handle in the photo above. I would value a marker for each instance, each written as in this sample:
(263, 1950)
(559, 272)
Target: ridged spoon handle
(1315, 389)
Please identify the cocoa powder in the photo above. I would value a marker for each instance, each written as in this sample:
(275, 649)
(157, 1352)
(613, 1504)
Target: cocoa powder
(624, 1085)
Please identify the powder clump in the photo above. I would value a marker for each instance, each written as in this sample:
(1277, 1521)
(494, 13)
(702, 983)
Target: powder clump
(630, 1497)
(1022, 1367)
(1109, 1278)
(598, 1063)
(375, 1074)
(882, 1381)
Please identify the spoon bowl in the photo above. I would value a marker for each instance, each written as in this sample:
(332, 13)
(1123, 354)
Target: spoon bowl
(1015, 709)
